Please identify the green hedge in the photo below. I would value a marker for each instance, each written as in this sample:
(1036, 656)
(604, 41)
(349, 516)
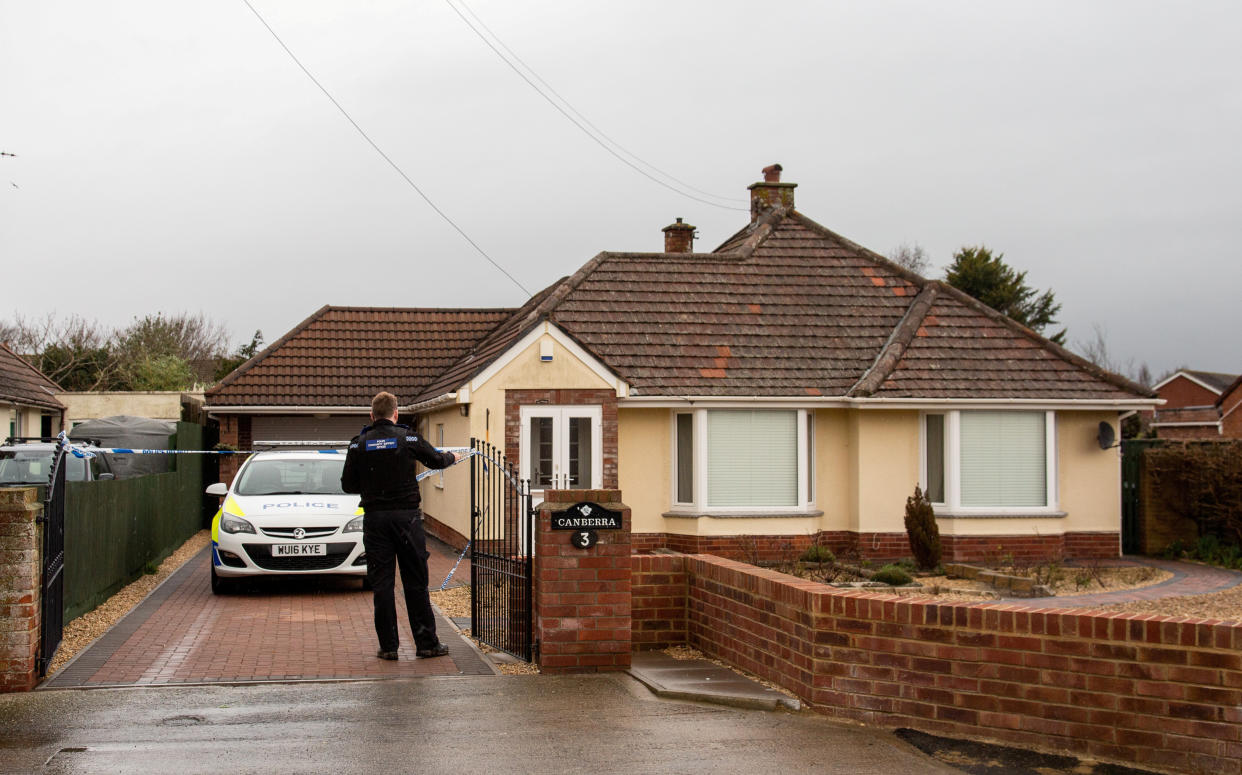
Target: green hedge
(116, 529)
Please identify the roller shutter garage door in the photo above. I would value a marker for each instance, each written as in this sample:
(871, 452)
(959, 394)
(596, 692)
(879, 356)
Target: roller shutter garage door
(307, 427)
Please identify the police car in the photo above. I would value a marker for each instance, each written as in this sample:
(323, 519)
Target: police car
(286, 515)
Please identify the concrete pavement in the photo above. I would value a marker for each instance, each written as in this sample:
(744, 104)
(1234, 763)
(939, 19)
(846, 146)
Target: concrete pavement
(605, 723)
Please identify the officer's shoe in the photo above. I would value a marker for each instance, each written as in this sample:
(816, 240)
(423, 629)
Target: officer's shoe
(390, 655)
(438, 650)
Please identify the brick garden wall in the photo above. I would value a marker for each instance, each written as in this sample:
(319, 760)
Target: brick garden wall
(660, 589)
(887, 546)
(1163, 692)
(20, 579)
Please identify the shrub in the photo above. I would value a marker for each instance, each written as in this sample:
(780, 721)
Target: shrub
(817, 553)
(893, 575)
(1201, 481)
(922, 531)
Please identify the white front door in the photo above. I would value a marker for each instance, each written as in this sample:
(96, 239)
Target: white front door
(562, 448)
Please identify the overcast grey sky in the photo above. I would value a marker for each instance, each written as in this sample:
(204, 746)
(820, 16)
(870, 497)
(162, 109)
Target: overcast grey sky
(172, 157)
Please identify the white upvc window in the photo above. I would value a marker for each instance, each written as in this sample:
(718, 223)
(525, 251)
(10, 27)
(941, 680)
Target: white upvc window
(990, 462)
(752, 461)
(440, 445)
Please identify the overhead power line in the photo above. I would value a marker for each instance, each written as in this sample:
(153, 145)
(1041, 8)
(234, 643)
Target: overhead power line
(603, 140)
(380, 151)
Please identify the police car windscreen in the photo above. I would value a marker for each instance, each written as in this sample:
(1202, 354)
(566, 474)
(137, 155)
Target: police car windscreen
(273, 476)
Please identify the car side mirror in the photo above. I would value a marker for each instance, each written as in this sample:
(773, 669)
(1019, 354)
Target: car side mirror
(106, 477)
(219, 488)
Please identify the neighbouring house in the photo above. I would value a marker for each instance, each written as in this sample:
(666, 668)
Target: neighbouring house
(28, 398)
(1191, 408)
(316, 382)
(1228, 404)
(790, 386)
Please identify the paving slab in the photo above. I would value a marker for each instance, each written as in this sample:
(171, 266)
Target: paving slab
(705, 681)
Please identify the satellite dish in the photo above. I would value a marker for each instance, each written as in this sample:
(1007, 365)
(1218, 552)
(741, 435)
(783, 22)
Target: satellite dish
(1106, 436)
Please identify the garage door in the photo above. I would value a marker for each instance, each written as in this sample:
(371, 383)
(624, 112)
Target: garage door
(333, 427)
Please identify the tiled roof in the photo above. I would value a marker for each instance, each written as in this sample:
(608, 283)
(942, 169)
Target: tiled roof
(788, 308)
(1213, 379)
(24, 384)
(343, 356)
(784, 308)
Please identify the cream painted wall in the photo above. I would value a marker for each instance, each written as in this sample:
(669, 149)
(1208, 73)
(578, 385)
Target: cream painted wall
(886, 444)
(25, 421)
(157, 405)
(644, 463)
(526, 372)
(450, 502)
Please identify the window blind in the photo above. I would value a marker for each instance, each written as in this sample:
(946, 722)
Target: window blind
(1003, 459)
(752, 458)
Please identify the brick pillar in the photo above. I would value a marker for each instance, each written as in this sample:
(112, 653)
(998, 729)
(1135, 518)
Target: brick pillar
(582, 596)
(20, 582)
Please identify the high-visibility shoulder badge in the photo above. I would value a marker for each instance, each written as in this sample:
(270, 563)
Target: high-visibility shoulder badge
(374, 445)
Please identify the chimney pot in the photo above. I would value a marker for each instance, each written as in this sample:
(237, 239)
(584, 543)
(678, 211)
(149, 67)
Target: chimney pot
(678, 237)
(771, 192)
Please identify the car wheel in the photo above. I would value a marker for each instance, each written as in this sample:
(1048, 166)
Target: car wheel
(366, 584)
(219, 586)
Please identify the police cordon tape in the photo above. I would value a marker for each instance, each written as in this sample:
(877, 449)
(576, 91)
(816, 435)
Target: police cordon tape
(467, 453)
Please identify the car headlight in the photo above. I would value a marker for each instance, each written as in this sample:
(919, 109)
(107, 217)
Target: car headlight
(353, 526)
(232, 524)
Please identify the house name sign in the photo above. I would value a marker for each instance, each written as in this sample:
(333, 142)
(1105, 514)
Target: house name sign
(586, 516)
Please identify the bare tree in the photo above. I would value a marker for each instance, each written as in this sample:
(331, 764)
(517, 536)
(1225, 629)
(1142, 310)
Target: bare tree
(1096, 350)
(73, 352)
(912, 256)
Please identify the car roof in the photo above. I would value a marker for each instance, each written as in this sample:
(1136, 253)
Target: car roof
(299, 454)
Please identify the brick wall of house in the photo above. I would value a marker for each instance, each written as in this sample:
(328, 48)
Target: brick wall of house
(20, 582)
(888, 546)
(1165, 692)
(234, 432)
(1231, 414)
(1181, 392)
(606, 399)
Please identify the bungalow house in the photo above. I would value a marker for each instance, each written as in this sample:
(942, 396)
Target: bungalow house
(28, 398)
(1191, 404)
(787, 387)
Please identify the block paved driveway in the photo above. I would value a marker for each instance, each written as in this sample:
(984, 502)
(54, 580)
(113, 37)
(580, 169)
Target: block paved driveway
(277, 629)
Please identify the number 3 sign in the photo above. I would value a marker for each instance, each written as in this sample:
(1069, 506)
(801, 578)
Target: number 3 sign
(584, 539)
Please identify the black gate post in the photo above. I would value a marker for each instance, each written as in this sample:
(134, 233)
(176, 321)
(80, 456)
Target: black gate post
(52, 607)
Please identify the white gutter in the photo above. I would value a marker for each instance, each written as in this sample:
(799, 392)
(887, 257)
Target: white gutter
(1200, 424)
(214, 410)
(432, 403)
(842, 402)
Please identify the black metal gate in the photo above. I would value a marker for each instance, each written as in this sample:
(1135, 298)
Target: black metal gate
(502, 548)
(52, 605)
(1133, 538)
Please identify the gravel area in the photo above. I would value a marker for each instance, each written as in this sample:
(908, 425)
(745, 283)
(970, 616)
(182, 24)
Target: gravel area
(1225, 605)
(83, 631)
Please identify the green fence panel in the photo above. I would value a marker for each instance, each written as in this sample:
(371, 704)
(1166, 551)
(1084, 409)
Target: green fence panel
(115, 529)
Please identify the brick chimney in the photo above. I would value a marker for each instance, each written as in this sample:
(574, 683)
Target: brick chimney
(678, 238)
(770, 193)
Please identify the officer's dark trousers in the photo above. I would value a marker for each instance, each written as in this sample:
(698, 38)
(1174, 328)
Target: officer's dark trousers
(397, 538)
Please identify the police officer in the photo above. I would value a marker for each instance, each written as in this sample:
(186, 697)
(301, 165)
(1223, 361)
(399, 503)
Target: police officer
(380, 466)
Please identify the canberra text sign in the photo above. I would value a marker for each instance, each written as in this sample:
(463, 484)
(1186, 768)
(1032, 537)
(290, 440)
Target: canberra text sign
(586, 516)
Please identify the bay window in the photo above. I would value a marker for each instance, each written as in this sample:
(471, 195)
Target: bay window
(743, 460)
(990, 461)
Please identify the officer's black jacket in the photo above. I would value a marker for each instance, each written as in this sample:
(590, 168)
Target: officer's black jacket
(380, 466)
